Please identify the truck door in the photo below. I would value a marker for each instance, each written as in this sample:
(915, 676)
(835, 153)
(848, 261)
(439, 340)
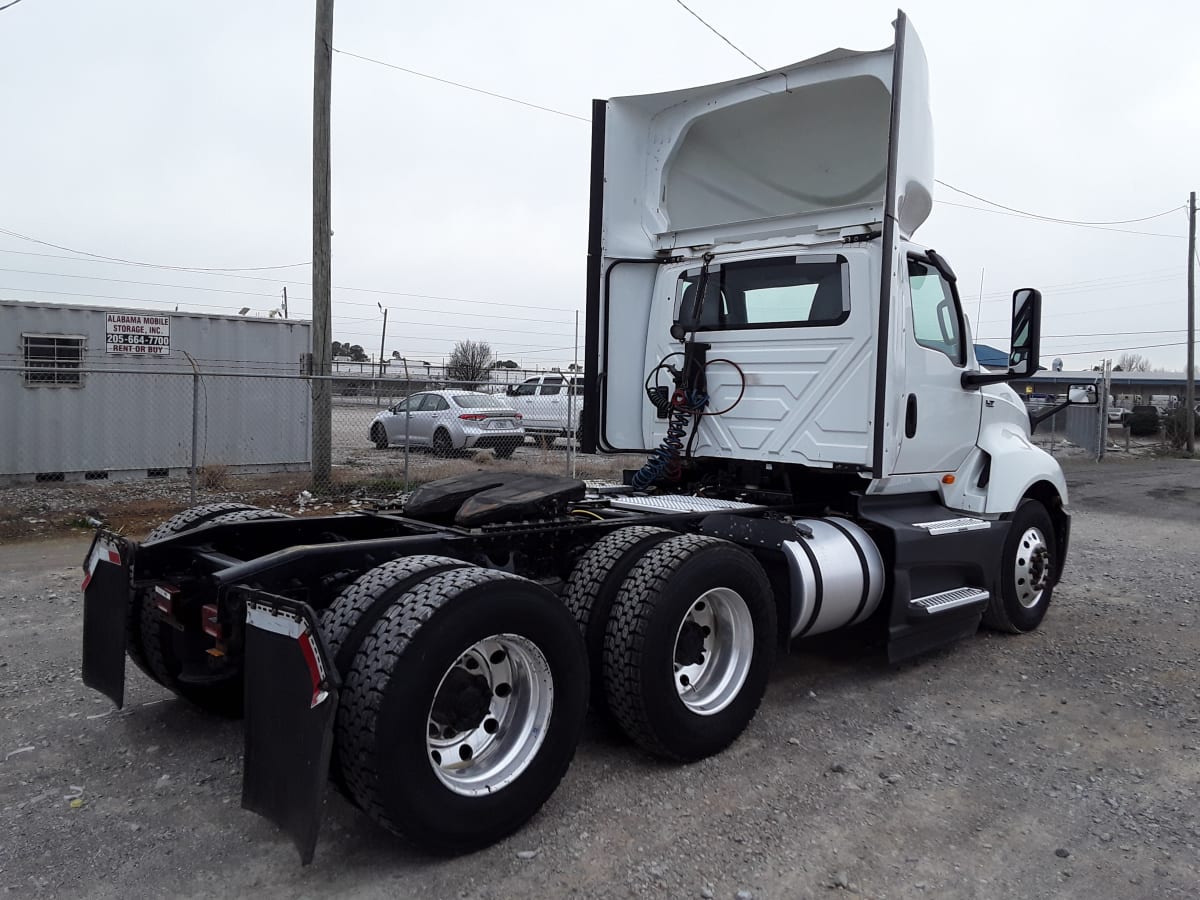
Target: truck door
(551, 412)
(939, 417)
(524, 400)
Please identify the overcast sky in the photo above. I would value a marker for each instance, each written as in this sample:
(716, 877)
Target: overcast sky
(179, 133)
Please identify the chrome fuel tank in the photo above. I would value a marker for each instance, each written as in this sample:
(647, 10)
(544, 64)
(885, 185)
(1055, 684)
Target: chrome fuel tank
(836, 575)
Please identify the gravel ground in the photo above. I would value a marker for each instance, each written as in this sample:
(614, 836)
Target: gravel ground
(1065, 763)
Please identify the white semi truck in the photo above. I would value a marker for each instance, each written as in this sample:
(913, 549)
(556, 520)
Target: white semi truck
(822, 453)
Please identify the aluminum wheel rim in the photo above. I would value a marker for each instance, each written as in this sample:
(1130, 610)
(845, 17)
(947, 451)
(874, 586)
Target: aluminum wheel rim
(1031, 568)
(714, 646)
(502, 692)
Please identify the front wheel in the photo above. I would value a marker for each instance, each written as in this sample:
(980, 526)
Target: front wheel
(1028, 572)
(504, 451)
(463, 708)
(688, 646)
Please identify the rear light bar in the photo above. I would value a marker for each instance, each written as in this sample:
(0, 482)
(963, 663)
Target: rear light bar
(164, 598)
(474, 417)
(208, 621)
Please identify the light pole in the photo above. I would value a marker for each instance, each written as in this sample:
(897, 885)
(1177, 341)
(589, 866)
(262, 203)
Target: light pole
(382, 338)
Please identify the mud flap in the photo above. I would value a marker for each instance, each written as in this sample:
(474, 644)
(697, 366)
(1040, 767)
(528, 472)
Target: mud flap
(291, 700)
(106, 571)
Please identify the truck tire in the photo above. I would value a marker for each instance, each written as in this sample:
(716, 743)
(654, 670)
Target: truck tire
(688, 647)
(349, 619)
(471, 665)
(193, 518)
(593, 586)
(222, 695)
(1027, 572)
(180, 522)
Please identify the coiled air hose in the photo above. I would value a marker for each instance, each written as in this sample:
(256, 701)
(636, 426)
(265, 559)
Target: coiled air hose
(666, 460)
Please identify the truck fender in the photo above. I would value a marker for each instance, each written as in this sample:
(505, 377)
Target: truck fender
(1015, 467)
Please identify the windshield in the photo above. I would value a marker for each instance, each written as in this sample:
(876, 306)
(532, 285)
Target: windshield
(477, 401)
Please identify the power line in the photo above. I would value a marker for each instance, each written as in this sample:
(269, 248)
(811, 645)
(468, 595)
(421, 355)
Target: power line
(131, 262)
(339, 287)
(458, 84)
(226, 311)
(10, 3)
(340, 301)
(1019, 215)
(721, 36)
(1033, 215)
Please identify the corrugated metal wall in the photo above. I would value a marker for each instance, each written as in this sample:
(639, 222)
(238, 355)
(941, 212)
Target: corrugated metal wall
(140, 418)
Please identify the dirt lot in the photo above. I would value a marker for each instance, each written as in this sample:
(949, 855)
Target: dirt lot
(1063, 763)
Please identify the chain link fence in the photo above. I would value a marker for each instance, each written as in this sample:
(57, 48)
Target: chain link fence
(205, 424)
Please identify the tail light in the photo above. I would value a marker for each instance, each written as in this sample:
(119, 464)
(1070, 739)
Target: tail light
(518, 416)
(164, 598)
(208, 621)
(473, 417)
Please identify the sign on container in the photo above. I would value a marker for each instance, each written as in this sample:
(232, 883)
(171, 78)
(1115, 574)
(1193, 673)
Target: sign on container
(138, 334)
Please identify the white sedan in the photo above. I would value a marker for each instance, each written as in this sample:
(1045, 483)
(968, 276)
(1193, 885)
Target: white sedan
(450, 420)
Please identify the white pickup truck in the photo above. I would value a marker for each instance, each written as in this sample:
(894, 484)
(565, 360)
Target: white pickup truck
(547, 403)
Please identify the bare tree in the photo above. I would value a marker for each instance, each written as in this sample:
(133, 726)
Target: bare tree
(471, 363)
(1132, 362)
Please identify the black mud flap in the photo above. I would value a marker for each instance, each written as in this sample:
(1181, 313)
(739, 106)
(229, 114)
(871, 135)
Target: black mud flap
(291, 700)
(106, 575)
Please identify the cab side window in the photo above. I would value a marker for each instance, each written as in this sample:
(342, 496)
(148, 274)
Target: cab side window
(935, 312)
(551, 386)
(526, 389)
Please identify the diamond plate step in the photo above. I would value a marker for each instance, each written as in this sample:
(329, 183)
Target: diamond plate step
(946, 600)
(954, 526)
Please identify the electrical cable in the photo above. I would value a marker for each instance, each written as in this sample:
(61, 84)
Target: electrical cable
(721, 36)
(10, 3)
(458, 84)
(1052, 221)
(1034, 215)
(131, 262)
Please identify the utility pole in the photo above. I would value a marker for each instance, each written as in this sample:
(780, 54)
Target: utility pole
(285, 315)
(382, 338)
(322, 394)
(1189, 417)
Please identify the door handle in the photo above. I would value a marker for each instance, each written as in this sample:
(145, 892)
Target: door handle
(910, 417)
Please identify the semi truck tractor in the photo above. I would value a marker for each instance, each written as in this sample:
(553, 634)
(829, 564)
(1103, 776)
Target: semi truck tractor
(823, 453)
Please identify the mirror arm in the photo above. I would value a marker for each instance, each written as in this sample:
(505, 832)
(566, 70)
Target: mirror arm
(972, 380)
(1037, 419)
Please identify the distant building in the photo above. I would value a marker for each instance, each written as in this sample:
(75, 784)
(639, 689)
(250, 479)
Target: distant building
(97, 393)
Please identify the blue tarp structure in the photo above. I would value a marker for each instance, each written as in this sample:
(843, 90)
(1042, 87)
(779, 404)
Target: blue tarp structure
(990, 357)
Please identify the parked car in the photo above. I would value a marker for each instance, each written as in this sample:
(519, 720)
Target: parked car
(450, 420)
(1143, 420)
(545, 402)
(1116, 415)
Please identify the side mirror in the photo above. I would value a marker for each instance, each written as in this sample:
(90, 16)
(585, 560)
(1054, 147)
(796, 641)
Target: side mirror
(511, 390)
(1082, 395)
(1026, 332)
(1026, 342)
